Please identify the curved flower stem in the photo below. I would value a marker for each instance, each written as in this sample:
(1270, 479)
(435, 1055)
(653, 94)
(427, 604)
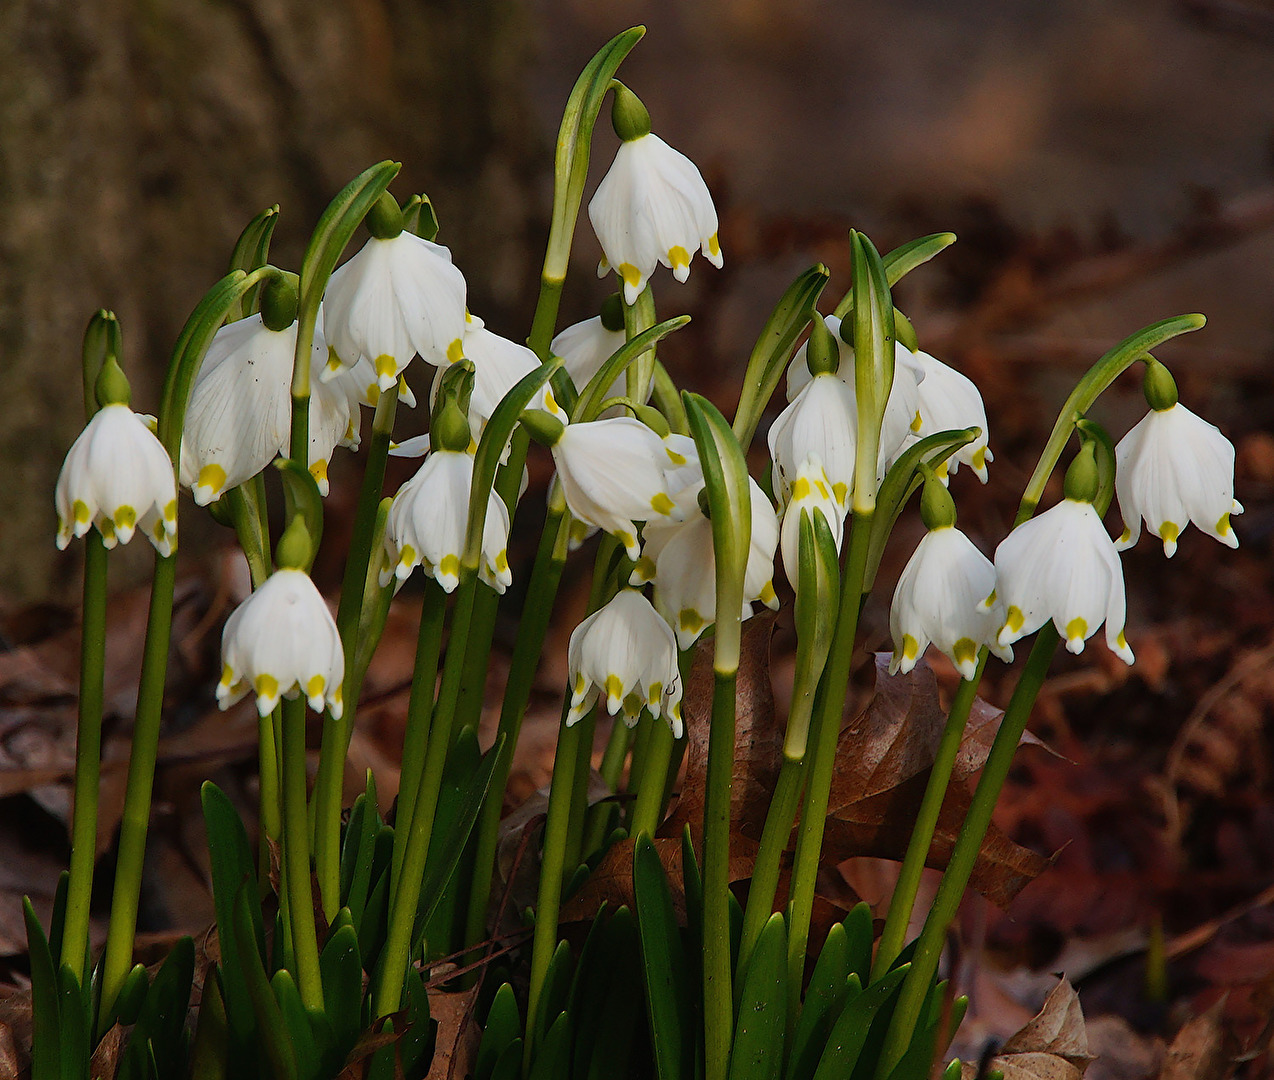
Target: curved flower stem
(296, 854)
(88, 756)
(537, 610)
(552, 869)
(575, 852)
(964, 855)
(904, 896)
(118, 959)
(329, 784)
(419, 711)
(821, 757)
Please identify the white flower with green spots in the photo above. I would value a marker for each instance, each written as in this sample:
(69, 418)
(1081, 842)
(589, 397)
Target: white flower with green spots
(117, 476)
(937, 602)
(626, 651)
(811, 491)
(678, 558)
(652, 207)
(394, 300)
(614, 473)
(584, 347)
(1061, 565)
(949, 401)
(1174, 469)
(280, 642)
(427, 523)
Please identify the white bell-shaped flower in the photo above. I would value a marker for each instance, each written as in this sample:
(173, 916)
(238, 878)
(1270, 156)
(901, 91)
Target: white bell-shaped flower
(937, 602)
(679, 559)
(627, 651)
(498, 365)
(427, 523)
(948, 401)
(117, 476)
(1172, 469)
(240, 414)
(396, 299)
(901, 421)
(584, 347)
(811, 491)
(651, 207)
(1063, 566)
(822, 421)
(614, 473)
(279, 642)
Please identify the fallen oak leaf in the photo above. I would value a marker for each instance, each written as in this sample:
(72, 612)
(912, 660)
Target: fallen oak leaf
(1053, 1045)
(1202, 1049)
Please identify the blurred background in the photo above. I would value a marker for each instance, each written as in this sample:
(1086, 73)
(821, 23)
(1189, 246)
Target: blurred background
(1105, 163)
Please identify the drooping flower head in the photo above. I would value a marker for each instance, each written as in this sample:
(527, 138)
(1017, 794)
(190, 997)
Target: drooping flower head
(585, 346)
(399, 297)
(282, 640)
(1174, 469)
(1063, 566)
(811, 492)
(117, 475)
(937, 598)
(652, 207)
(628, 652)
(949, 401)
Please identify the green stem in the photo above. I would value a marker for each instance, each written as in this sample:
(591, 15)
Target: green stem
(254, 541)
(537, 609)
(964, 856)
(419, 709)
(718, 1000)
(642, 735)
(406, 891)
(638, 317)
(575, 852)
(649, 809)
(602, 816)
(329, 784)
(913, 863)
(769, 858)
(269, 806)
(88, 756)
(296, 855)
(552, 870)
(829, 706)
(544, 321)
(135, 819)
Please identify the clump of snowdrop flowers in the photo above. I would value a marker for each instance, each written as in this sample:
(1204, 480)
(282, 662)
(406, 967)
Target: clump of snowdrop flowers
(429, 516)
(282, 640)
(117, 475)
(652, 206)
(679, 559)
(627, 651)
(1063, 566)
(937, 598)
(240, 412)
(399, 297)
(1173, 469)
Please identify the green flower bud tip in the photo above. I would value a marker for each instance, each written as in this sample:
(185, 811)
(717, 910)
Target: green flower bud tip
(384, 220)
(456, 385)
(822, 355)
(705, 505)
(612, 313)
(280, 298)
(652, 418)
(112, 386)
(905, 332)
(627, 114)
(937, 507)
(293, 551)
(450, 428)
(1082, 478)
(542, 427)
(1159, 386)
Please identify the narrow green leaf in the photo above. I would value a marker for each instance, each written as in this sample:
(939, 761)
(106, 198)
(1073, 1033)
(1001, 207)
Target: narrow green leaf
(509, 1065)
(917, 1061)
(556, 991)
(611, 1018)
(554, 1056)
(271, 1029)
(57, 921)
(589, 403)
(503, 1028)
(209, 1057)
(664, 960)
(825, 996)
(161, 1023)
(774, 347)
(416, 1047)
(901, 261)
(358, 852)
(297, 1024)
(859, 935)
(757, 1053)
(252, 250)
(873, 340)
(132, 995)
(849, 1034)
(592, 975)
(371, 931)
(74, 1025)
(463, 760)
(45, 1001)
(341, 968)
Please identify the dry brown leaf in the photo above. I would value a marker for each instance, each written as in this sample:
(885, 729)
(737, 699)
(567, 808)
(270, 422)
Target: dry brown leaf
(105, 1059)
(1200, 1050)
(9, 1063)
(457, 1045)
(1052, 1046)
